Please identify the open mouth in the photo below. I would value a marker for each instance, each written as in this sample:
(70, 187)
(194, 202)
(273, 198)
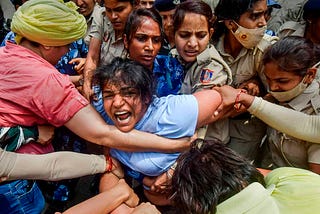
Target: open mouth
(191, 53)
(81, 10)
(122, 117)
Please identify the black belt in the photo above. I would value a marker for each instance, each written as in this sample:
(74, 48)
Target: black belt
(243, 116)
(5, 182)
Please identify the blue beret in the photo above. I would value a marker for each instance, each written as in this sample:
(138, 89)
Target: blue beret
(312, 5)
(166, 5)
(273, 3)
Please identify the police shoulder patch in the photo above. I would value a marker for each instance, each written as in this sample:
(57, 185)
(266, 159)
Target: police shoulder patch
(206, 75)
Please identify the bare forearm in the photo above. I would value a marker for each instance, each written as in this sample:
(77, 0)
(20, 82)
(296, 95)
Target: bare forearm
(92, 59)
(143, 141)
(102, 203)
(88, 124)
(89, 69)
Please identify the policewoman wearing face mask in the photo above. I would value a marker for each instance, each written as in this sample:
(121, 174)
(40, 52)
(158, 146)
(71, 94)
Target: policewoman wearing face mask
(240, 39)
(290, 71)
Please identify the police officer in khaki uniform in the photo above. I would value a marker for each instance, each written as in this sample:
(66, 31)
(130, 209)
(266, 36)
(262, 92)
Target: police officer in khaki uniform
(241, 41)
(112, 43)
(289, 151)
(208, 71)
(97, 15)
(291, 10)
(106, 41)
(111, 46)
(166, 9)
(301, 92)
(308, 27)
(207, 68)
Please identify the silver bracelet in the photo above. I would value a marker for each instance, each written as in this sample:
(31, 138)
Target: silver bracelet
(173, 166)
(168, 174)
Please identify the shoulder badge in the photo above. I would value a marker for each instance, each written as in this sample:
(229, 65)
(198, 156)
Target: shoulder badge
(206, 75)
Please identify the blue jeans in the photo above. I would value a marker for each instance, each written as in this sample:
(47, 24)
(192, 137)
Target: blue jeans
(21, 197)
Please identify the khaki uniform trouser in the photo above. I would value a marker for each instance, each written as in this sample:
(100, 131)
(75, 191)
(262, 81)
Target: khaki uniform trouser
(246, 135)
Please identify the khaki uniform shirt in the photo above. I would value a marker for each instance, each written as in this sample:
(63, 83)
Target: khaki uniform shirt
(96, 15)
(209, 70)
(110, 47)
(246, 133)
(292, 28)
(291, 10)
(290, 151)
(248, 63)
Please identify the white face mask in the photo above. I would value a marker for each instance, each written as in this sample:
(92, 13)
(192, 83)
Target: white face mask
(249, 38)
(290, 94)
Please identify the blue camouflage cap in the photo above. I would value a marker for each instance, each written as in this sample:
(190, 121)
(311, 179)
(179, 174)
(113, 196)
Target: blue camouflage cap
(273, 3)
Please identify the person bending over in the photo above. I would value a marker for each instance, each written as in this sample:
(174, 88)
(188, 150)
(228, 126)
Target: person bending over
(211, 178)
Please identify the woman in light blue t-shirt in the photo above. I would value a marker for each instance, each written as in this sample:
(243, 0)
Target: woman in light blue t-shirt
(127, 89)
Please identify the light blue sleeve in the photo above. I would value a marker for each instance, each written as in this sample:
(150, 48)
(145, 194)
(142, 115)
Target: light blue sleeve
(171, 117)
(180, 117)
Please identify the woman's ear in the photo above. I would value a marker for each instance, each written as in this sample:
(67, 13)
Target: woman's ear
(46, 47)
(211, 31)
(310, 75)
(230, 25)
(147, 101)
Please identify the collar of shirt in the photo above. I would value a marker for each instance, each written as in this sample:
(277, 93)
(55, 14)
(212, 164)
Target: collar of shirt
(301, 101)
(226, 56)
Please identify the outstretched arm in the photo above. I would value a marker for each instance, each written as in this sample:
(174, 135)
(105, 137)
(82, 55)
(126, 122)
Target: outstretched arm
(107, 201)
(276, 116)
(208, 102)
(53, 166)
(90, 66)
(283, 119)
(88, 124)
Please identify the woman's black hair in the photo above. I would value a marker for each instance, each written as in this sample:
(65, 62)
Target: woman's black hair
(208, 174)
(198, 7)
(132, 2)
(229, 10)
(129, 72)
(137, 16)
(293, 54)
